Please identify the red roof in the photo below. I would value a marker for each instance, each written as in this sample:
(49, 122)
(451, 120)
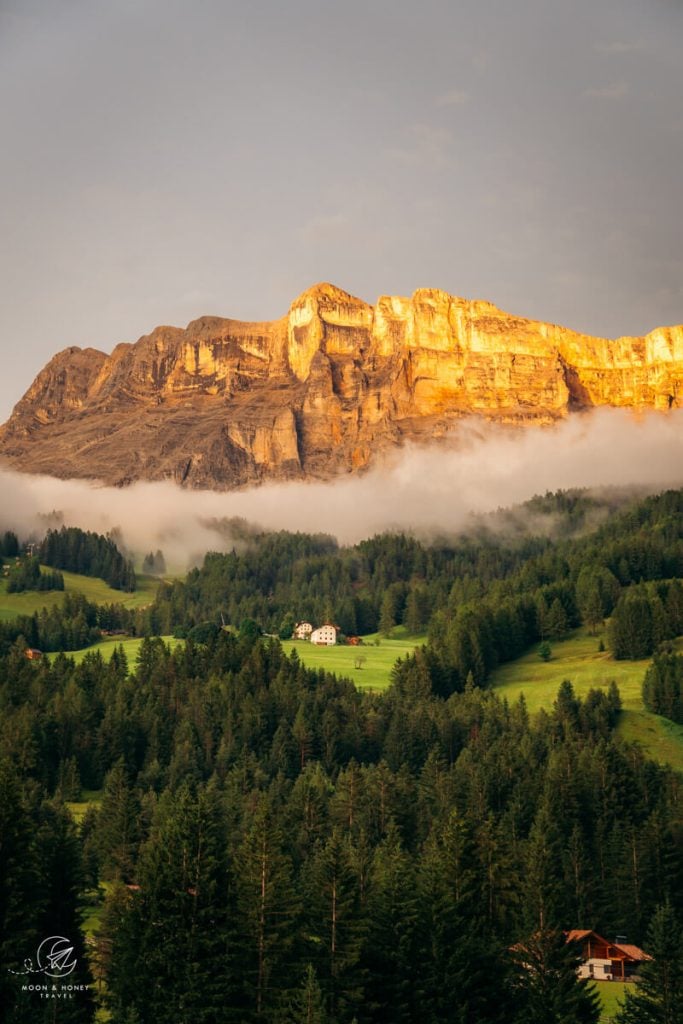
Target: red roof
(626, 949)
(576, 934)
(633, 952)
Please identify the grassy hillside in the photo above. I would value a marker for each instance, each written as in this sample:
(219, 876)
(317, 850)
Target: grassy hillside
(106, 647)
(376, 670)
(579, 660)
(661, 738)
(95, 590)
(611, 996)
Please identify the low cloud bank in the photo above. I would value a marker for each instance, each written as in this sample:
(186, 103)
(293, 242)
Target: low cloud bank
(482, 467)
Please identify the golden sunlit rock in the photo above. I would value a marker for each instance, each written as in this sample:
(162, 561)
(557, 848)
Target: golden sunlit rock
(223, 403)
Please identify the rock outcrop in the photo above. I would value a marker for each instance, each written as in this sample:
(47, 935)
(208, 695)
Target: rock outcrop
(224, 404)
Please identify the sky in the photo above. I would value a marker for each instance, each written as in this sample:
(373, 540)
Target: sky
(165, 159)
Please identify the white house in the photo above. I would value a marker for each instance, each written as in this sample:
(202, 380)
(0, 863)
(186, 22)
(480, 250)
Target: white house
(325, 635)
(303, 630)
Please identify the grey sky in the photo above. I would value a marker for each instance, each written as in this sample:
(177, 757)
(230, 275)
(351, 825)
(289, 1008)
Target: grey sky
(161, 159)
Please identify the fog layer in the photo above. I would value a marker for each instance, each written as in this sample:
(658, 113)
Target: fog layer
(482, 467)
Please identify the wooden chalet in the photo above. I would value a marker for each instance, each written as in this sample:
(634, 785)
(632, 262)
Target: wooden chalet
(604, 960)
(32, 653)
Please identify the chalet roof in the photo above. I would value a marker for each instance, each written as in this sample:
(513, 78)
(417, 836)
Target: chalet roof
(625, 949)
(577, 934)
(631, 951)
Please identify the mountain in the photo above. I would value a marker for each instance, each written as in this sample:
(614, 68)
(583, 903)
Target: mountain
(223, 403)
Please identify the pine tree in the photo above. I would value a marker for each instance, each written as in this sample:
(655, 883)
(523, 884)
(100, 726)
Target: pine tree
(459, 976)
(174, 953)
(335, 925)
(267, 907)
(61, 882)
(556, 622)
(542, 887)
(392, 913)
(545, 984)
(118, 833)
(21, 900)
(307, 1004)
(387, 616)
(658, 998)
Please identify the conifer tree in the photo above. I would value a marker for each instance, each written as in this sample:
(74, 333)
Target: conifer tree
(658, 997)
(335, 925)
(268, 907)
(118, 832)
(177, 924)
(458, 978)
(392, 914)
(546, 986)
(306, 1005)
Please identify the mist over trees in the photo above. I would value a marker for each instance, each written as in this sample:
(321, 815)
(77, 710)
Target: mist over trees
(481, 599)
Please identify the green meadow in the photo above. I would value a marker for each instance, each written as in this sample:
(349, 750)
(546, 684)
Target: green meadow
(94, 590)
(379, 658)
(78, 808)
(611, 996)
(579, 660)
(106, 647)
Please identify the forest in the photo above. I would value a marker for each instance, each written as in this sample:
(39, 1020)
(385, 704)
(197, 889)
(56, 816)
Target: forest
(270, 845)
(89, 554)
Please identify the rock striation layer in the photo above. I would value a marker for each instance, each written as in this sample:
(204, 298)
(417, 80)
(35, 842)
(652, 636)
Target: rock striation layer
(223, 404)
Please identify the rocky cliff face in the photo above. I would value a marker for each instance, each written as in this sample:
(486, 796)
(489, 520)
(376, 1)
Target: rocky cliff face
(223, 404)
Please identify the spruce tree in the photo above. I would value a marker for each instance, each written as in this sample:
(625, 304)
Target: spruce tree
(118, 831)
(392, 914)
(545, 984)
(658, 997)
(174, 951)
(268, 907)
(335, 924)
(306, 1005)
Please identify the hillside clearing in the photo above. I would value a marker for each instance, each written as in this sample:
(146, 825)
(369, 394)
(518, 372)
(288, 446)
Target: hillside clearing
(375, 673)
(95, 590)
(579, 660)
(79, 808)
(131, 647)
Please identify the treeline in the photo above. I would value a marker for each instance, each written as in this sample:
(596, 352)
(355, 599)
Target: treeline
(89, 554)
(663, 686)
(154, 563)
(645, 617)
(27, 575)
(484, 599)
(9, 544)
(388, 580)
(278, 841)
(74, 624)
